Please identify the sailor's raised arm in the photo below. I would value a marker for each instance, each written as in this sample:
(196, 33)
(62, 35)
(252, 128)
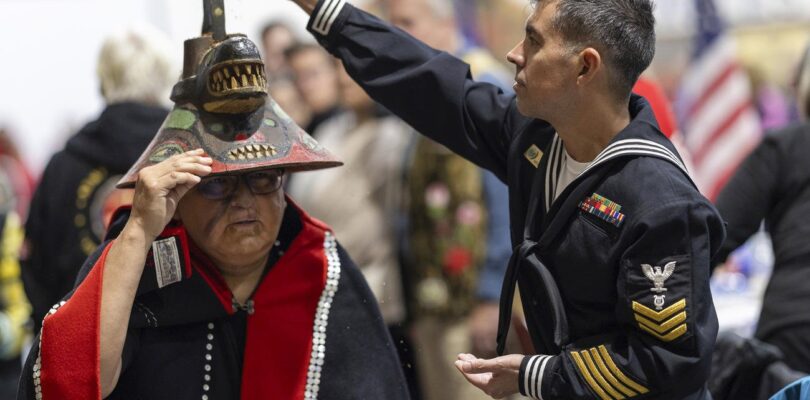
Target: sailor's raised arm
(431, 90)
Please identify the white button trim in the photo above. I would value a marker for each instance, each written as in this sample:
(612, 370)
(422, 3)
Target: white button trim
(322, 318)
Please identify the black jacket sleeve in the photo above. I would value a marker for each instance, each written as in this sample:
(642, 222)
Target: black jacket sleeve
(431, 90)
(663, 343)
(749, 196)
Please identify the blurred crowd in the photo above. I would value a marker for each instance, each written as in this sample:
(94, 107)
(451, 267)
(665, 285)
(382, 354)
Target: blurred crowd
(428, 229)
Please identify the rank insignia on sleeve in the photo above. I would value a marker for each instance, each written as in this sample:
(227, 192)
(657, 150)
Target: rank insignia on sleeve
(597, 367)
(603, 209)
(665, 325)
(534, 155)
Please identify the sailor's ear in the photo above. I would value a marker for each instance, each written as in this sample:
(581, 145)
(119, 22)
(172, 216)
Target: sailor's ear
(590, 63)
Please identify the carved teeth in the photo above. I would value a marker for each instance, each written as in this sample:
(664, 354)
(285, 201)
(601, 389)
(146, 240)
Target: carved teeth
(249, 68)
(234, 83)
(255, 81)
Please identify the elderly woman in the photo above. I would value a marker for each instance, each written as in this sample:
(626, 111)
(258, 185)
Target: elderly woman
(214, 285)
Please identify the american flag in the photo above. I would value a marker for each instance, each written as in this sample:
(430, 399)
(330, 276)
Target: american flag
(715, 104)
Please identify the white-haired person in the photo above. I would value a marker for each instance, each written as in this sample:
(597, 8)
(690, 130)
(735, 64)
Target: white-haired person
(66, 221)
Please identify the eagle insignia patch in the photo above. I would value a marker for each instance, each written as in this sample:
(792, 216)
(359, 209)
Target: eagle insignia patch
(658, 277)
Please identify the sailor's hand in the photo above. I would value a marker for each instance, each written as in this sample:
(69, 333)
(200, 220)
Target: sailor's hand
(497, 377)
(307, 5)
(161, 186)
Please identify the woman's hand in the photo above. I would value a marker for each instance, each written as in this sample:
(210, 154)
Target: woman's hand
(161, 186)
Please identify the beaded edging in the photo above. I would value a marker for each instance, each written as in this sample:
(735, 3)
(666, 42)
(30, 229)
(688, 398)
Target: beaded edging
(38, 363)
(321, 318)
(209, 345)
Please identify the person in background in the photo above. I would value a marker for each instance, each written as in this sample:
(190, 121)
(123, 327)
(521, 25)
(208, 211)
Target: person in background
(276, 39)
(457, 226)
(315, 75)
(18, 185)
(67, 221)
(362, 201)
(773, 185)
(15, 310)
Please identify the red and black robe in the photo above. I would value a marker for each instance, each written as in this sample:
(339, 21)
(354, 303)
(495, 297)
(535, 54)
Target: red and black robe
(312, 330)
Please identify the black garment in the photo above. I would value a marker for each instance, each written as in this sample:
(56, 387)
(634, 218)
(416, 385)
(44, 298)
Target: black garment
(587, 297)
(773, 184)
(746, 368)
(64, 224)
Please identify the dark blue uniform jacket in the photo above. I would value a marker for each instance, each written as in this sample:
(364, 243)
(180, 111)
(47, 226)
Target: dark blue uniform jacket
(613, 274)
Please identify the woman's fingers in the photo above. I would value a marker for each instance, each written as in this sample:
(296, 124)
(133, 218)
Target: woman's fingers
(177, 178)
(161, 186)
(190, 167)
(192, 161)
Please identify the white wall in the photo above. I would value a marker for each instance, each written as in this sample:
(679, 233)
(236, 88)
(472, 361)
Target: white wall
(676, 18)
(48, 87)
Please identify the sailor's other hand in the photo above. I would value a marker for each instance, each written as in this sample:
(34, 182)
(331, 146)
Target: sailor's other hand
(161, 186)
(497, 377)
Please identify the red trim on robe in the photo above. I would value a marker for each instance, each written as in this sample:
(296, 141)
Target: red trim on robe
(279, 333)
(69, 344)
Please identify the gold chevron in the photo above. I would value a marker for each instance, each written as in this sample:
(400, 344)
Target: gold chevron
(676, 333)
(588, 378)
(598, 375)
(618, 373)
(659, 316)
(606, 372)
(663, 327)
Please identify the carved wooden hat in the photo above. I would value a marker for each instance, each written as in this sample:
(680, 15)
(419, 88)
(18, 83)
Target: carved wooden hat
(222, 106)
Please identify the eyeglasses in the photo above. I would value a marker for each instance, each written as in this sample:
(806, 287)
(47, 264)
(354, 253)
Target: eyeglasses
(223, 186)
